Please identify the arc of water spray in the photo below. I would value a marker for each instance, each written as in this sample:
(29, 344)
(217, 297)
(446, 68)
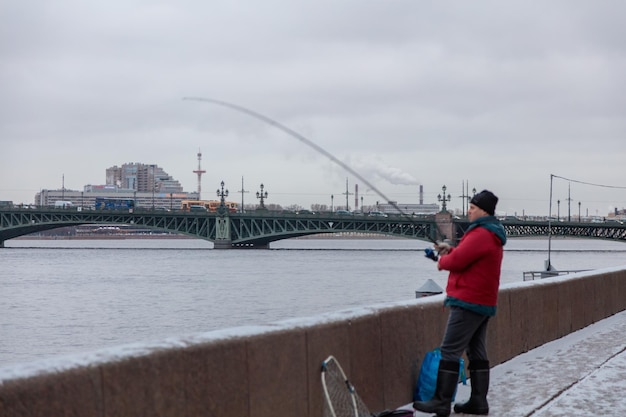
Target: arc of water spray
(306, 141)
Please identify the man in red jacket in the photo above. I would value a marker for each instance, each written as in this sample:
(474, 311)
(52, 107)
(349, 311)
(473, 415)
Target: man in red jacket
(472, 295)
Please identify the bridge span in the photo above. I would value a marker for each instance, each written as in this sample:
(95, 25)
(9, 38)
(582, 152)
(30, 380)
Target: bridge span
(258, 229)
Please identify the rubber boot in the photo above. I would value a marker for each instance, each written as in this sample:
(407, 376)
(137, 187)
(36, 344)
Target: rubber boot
(447, 381)
(479, 380)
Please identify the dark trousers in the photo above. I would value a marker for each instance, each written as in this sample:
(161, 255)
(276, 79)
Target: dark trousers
(466, 331)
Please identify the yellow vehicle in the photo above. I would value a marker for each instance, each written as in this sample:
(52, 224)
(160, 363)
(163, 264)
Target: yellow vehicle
(210, 205)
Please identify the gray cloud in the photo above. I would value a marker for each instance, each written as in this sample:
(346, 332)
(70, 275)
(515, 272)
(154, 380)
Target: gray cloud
(499, 94)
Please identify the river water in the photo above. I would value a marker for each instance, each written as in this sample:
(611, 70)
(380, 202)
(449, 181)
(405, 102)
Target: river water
(64, 296)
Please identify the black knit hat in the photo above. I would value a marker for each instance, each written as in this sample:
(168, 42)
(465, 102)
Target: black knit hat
(485, 200)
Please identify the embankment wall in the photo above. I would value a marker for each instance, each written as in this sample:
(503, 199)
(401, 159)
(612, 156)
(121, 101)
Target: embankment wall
(274, 370)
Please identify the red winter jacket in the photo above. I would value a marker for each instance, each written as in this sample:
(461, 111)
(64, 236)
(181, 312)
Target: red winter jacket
(474, 267)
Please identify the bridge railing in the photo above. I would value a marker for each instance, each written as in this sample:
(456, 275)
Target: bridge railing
(532, 275)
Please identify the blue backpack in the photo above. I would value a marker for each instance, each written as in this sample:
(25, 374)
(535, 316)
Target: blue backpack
(427, 380)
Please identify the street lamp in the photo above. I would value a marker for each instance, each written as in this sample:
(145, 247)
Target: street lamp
(222, 194)
(444, 199)
(579, 218)
(332, 197)
(558, 210)
(262, 196)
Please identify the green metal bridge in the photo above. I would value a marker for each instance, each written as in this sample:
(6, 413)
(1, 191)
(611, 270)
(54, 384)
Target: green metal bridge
(259, 228)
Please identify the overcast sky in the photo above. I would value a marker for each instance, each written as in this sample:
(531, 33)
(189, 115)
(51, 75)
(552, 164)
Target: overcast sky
(500, 94)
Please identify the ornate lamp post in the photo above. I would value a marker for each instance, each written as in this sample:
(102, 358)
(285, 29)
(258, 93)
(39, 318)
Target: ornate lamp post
(222, 194)
(261, 195)
(579, 218)
(332, 197)
(558, 210)
(443, 199)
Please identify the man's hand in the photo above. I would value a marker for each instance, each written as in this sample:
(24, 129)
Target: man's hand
(442, 248)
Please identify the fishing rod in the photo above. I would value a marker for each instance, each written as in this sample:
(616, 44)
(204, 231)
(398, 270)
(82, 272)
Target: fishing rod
(316, 147)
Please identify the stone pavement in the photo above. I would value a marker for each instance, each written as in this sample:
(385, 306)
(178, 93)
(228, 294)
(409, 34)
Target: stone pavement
(581, 374)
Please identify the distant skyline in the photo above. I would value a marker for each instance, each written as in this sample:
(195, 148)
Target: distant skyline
(497, 94)
(562, 206)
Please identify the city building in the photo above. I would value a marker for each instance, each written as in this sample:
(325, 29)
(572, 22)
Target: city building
(87, 198)
(394, 207)
(148, 186)
(142, 177)
(408, 208)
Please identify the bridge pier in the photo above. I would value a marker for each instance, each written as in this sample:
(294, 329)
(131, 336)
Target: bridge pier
(222, 244)
(222, 233)
(1, 243)
(445, 226)
(251, 246)
(227, 244)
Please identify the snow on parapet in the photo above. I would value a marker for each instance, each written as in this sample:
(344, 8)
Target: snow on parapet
(122, 352)
(138, 349)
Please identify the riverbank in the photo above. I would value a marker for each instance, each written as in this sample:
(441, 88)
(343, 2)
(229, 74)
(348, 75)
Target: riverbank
(342, 235)
(106, 237)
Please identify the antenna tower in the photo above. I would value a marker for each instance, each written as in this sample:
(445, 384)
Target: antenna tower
(199, 171)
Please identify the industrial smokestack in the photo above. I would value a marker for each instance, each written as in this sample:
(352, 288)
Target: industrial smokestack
(421, 194)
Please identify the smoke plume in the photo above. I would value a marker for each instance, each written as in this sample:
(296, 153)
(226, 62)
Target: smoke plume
(374, 167)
